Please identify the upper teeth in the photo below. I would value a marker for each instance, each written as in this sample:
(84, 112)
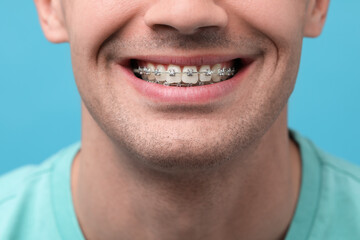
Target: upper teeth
(188, 75)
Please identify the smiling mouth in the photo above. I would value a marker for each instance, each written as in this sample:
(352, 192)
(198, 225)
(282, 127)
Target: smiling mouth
(187, 75)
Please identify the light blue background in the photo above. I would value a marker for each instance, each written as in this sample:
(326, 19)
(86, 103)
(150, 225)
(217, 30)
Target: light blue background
(40, 106)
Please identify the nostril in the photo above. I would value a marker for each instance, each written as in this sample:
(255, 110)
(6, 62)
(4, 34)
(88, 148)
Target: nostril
(163, 28)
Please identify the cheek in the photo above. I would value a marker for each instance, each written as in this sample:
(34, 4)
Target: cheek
(91, 22)
(280, 20)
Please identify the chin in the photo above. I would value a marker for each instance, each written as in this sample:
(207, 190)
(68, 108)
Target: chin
(186, 158)
(186, 150)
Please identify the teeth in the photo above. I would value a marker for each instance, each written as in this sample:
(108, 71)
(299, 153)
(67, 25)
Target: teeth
(174, 75)
(216, 69)
(205, 77)
(190, 75)
(151, 67)
(158, 76)
(223, 74)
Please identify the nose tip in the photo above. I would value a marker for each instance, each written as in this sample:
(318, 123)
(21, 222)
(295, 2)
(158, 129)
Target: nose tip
(186, 16)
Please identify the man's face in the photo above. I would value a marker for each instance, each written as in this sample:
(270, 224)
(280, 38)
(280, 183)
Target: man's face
(171, 128)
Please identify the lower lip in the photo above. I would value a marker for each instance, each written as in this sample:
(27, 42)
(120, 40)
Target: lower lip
(171, 95)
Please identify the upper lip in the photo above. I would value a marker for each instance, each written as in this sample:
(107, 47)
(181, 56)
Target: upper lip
(186, 60)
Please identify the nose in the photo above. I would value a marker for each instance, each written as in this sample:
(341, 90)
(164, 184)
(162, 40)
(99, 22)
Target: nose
(186, 16)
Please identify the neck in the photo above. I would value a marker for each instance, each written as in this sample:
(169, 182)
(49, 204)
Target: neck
(249, 198)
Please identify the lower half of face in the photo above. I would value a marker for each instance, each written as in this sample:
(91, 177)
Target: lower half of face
(184, 104)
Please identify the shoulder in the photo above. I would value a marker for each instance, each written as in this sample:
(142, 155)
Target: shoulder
(24, 200)
(339, 203)
(329, 164)
(26, 203)
(338, 208)
(339, 174)
(16, 181)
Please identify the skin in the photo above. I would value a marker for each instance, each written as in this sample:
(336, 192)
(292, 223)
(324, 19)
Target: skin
(226, 169)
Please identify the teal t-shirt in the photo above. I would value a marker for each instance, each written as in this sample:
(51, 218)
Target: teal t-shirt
(36, 201)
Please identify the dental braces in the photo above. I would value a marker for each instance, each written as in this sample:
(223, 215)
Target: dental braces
(189, 72)
(181, 84)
